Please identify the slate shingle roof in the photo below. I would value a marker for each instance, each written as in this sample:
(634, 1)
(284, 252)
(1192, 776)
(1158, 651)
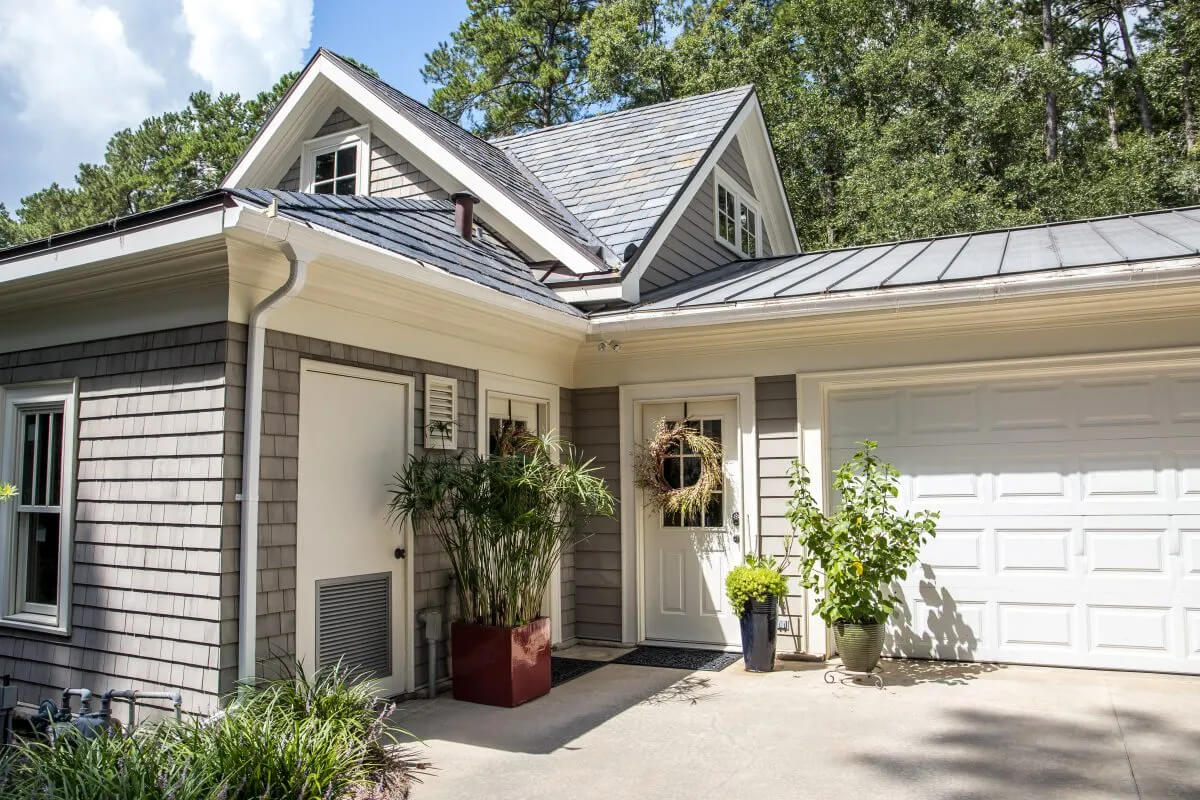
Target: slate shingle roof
(489, 160)
(1147, 236)
(618, 172)
(422, 230)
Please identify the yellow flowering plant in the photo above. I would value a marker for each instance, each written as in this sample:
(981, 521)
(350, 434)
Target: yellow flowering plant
(851, 557)
(7, 492)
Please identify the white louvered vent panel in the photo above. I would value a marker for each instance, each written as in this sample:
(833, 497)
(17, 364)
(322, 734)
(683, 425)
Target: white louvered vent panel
(441, 413)
(354, 623)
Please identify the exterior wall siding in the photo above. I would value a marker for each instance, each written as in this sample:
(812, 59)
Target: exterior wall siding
(154, 546)
(778, 446)
(390, 174)
(597, 557)
(692, 247)
(566, 429)
(276, 622)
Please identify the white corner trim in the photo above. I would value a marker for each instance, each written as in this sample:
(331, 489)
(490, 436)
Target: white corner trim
(280, 131)
(360, 137)
(631, 398)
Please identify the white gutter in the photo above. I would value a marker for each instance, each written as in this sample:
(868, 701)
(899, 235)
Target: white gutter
(251, 452)
(1119, 276)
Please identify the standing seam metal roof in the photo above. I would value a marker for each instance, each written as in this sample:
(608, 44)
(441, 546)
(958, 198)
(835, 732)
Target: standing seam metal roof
(1147, 236)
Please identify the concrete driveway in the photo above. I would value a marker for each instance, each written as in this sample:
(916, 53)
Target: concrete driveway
(935, 731)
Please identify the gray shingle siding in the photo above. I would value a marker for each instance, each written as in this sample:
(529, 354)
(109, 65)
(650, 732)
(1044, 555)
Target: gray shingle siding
(390, 174)
(778, 446)
(154, 519)
(692, 248)
(597, 559)
(276, 623)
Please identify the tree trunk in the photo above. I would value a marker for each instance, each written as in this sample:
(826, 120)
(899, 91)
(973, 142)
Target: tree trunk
(1110, 110)
(1051, 97)
(1139, 89)
(1189, 128)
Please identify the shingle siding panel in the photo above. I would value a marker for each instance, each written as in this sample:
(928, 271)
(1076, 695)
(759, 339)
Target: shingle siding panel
(778, 446)
(566, 429)
(597, 556)
(151, 518)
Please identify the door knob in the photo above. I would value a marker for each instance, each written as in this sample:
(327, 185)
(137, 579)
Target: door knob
(401, 552)
(736, 519)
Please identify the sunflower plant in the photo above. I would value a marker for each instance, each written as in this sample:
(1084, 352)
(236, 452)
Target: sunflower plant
(850, 557)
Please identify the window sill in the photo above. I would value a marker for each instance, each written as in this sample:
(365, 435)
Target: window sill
(731, 248)
(35, 623)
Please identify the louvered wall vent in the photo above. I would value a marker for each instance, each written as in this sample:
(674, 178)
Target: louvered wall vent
(441, 413)
(354, 623)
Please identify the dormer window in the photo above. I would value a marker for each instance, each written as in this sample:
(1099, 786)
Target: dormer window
(737, 217)
(336, 164)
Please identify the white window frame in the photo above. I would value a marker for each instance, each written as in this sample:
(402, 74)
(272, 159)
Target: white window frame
(360, 136)
(722, 180)
(64, 394)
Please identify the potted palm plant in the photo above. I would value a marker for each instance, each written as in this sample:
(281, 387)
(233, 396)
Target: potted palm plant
(754, 590)
(503, 520)
(851, 557)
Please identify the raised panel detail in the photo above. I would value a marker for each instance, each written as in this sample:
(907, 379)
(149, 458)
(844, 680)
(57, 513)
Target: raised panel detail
(672, 582)
(1125, 551)
(1032, 479)
(1190, 542)
(934, 486)
(1023, 625)
(1116, 627)
(1039, 550)
(1189, 476)
(1185, 399)
(1118, 476)
(1116, 403)
(1035, 406)
(954, 549)
(944, 410)
(950, 629)
(1191, 617)
(712, 583)
(862, 414)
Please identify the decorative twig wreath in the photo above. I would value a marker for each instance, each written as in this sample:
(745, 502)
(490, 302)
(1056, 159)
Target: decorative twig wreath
(669, 440)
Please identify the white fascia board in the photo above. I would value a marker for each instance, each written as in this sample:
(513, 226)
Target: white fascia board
(683, 200)
(481, 185)
(248, 224)
(761, 161)
(598, 293)
(152, 236)
(1113, 276)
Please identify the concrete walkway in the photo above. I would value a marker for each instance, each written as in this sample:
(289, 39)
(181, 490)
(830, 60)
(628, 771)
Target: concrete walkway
(936, 731)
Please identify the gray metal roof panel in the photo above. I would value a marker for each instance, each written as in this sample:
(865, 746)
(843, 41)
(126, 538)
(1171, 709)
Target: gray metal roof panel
(602, 163)
(422, 230)
(1139, 237)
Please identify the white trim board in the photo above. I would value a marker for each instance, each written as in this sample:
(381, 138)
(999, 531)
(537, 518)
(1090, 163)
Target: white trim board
(632, 398)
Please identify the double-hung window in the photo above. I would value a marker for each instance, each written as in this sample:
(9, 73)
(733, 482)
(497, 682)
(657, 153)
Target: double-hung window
(38, 439)
(737, 219)
(336, 164)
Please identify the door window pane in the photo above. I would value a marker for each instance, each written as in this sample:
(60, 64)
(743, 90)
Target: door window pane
(681, 468)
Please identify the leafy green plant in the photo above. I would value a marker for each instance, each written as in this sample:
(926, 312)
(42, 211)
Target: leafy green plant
(757, 580)
(302, 737)
(850, 557)
(503, 520)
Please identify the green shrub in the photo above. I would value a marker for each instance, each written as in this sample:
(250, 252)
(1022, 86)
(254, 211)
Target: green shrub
(758, 579)
(297, 737)
(850, 557)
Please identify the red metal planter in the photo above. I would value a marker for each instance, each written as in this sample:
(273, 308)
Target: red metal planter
(500, 666)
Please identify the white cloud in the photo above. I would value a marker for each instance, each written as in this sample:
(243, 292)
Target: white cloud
(245, 45)
(71, 68)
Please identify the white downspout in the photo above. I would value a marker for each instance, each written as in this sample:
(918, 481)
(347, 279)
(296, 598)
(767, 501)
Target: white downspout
(251, 452)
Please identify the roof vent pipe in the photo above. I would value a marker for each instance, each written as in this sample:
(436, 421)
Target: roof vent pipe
(464, 214)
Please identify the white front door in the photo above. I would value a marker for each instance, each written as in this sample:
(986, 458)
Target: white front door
(685, 561)
(1070, 527)
(351, 589)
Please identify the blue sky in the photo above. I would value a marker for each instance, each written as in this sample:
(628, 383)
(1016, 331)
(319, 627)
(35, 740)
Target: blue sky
(72, 72)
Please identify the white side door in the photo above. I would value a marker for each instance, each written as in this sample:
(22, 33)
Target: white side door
(685, 561)
(351, 588)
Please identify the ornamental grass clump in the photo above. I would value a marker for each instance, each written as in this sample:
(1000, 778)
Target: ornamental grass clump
(850, 557)
(321, 737)
(503, 520)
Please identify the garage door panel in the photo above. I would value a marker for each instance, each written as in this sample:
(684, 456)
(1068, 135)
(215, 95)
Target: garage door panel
(1069, 531)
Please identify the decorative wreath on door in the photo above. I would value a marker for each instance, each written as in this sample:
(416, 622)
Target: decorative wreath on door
(669, 440)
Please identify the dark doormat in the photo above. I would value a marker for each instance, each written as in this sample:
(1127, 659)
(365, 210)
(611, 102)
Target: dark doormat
(678, 658)
(566, 669)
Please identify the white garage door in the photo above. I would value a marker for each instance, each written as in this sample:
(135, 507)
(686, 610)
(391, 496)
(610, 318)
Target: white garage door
(1070, 529)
